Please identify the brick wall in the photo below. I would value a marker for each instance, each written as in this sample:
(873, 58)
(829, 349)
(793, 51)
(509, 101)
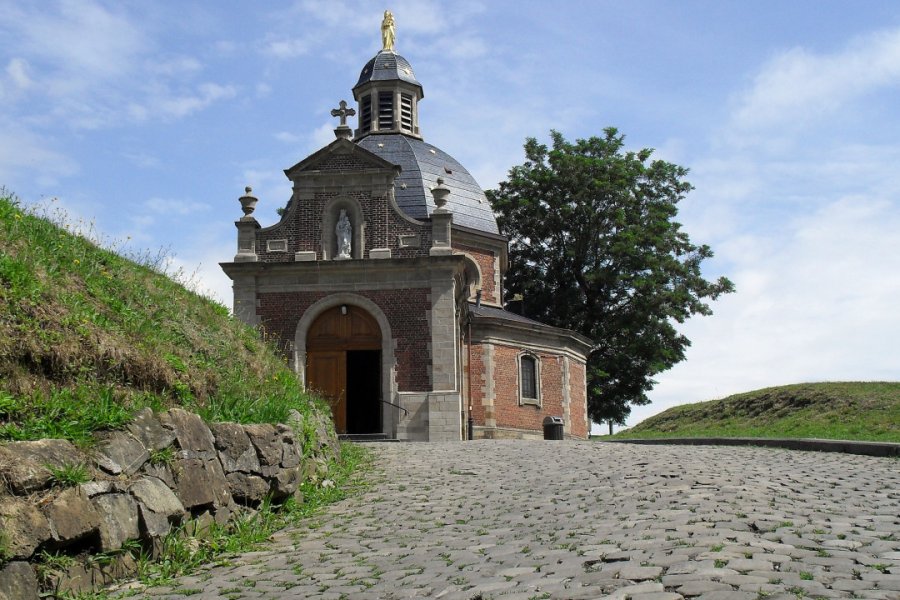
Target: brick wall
(302, 227)
(580, 427)
(406, 311)
(507, 410)
(485, 260)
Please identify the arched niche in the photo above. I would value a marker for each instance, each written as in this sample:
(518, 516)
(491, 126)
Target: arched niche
(330, 216)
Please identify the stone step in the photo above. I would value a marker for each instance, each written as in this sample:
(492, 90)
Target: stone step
(366, 437)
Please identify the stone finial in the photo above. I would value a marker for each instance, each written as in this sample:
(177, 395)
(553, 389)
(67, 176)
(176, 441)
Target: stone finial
(248, 201)
(440, 193)
(343, 130)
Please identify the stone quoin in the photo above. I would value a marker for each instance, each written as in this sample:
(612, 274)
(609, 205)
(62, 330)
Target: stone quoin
(383, 285)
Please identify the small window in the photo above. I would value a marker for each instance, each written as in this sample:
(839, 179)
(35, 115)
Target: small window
(528, 380)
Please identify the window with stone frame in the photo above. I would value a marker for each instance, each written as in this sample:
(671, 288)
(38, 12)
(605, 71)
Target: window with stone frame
(529, 379)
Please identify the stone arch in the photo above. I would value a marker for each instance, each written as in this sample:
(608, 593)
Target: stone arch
(329, 220)
(388, 362)
(473, 274)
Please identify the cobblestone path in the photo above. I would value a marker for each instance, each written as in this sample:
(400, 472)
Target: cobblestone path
(517, 520)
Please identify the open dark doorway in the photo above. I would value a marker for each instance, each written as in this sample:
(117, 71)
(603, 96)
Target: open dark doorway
(363, 391)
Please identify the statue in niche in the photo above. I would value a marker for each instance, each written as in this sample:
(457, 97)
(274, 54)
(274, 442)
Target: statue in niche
(344, 234)
(387, 32)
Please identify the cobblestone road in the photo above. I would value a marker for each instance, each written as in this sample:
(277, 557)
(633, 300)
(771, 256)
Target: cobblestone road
(516, 520)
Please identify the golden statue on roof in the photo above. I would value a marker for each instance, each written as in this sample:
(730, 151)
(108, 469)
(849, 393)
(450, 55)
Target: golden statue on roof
(388, 34)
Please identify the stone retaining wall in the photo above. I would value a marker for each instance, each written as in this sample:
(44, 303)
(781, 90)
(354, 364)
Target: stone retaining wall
(159, 472)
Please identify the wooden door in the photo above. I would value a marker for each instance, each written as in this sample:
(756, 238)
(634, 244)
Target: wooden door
(326, 373)
(335, 332)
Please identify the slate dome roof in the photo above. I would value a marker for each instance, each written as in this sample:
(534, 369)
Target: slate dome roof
(387, 66)
(421, 165)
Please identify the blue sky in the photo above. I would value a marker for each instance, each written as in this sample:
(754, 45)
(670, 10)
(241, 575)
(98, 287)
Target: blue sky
(150, 118)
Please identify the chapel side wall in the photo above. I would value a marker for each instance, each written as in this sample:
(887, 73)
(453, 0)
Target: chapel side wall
(509, 414)
(406, 311)
(578, 419)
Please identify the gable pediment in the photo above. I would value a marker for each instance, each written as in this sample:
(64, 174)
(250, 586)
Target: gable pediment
(340, 156)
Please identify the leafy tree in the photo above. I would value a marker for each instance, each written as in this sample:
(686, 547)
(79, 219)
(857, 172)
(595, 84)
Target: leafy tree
(594, 247)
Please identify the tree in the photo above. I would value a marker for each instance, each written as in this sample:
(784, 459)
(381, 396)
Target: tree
(594, 247)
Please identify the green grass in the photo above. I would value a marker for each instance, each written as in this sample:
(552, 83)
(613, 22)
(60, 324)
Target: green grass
(841, 410)
(90, 332)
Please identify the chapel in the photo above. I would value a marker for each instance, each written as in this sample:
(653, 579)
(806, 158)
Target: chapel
(382, 283)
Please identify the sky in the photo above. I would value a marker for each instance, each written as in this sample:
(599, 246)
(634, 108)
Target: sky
(145, 120)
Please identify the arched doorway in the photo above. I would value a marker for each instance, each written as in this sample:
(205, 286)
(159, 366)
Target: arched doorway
(343, 364)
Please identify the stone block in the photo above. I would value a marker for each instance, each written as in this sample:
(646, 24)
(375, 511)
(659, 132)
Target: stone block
(149, 431)
(191, 433)
(72, 516)
(305, 256)
(290, 455)
(18, 582)
(246, 488)
(118, 520)
(24, 525)
(24, 464)
(285, 483)
(377, 253)
(201, 482)
(97, 487)
(267, 441)
(118, 452)
(236, 453)
(158, 506)
(161, 472)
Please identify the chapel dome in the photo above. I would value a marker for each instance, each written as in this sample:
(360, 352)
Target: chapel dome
(387, 66)
(421, 164)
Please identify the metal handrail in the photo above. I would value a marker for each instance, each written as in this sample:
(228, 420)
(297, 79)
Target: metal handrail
(405, 412)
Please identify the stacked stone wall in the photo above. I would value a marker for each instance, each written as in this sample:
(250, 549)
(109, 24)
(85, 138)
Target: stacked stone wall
(210, 474)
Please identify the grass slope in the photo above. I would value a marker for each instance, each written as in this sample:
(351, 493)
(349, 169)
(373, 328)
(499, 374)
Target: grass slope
(87, 337)
(849, 411)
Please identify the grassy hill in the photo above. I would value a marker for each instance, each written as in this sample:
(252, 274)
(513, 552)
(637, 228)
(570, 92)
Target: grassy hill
(87, 337)
(850, 411)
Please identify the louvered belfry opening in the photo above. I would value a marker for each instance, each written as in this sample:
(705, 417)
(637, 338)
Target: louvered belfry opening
(385, 111)
(365, 114)
(406, 112)
(388, 96)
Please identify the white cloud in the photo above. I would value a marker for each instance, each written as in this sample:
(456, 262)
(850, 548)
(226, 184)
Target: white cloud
(17, 71)
(287, 137)
(288, 47)
(203, 96)
(171, 206)
(79, 43)
(175, 66)
(26, 155)
(799, 86)
(816, 304)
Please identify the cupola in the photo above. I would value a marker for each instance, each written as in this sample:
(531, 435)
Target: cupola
(387, 92)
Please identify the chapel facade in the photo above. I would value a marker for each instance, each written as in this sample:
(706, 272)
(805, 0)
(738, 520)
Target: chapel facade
(383, 285)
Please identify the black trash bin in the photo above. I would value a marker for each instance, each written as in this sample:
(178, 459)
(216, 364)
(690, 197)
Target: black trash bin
(553, 428)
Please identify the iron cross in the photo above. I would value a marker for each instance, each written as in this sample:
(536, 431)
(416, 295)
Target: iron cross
(343, 112)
